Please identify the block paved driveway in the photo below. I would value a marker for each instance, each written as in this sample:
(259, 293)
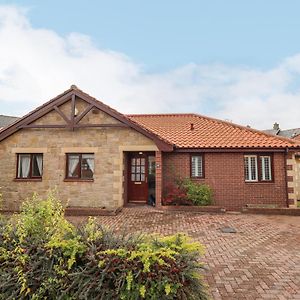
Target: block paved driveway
(260, 261)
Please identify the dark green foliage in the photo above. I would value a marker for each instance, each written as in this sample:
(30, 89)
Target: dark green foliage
(43, 256)
(199, 194)
(187, 192)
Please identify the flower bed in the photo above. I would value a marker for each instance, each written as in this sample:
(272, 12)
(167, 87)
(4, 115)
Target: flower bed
(43, 256)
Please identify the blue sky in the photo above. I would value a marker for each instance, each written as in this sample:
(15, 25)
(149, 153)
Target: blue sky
(196, 50)
(169, 33)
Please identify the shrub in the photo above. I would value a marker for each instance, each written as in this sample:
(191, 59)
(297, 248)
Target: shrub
(187, 192)
(43, 256)
(199, 194)
(176, 195)
(1, 200)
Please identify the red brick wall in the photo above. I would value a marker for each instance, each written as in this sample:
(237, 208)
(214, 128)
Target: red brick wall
(224, 173)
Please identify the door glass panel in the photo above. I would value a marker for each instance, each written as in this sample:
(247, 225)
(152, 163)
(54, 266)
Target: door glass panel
(138, 169)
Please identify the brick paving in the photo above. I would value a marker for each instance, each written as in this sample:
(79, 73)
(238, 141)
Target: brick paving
(260, 261)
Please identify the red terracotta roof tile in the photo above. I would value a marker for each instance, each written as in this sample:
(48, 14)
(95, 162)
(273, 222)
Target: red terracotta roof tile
(208, 132)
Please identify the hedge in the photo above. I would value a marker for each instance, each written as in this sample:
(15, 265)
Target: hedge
(43, 256)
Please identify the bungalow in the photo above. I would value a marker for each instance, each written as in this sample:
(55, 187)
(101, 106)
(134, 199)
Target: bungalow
(98, 157)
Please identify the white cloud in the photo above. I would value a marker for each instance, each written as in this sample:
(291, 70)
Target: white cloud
(37, 64)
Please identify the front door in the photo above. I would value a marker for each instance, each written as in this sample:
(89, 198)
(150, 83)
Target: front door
(138, 177)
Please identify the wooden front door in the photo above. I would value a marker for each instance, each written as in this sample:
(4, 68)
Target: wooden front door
(137, 177)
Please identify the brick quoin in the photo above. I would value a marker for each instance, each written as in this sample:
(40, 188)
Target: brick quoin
(224, 173)
(158, 178)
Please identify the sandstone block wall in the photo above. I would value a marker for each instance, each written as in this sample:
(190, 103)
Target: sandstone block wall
(107, 144)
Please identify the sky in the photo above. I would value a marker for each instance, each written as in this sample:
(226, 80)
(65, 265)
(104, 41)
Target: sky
(233, 60)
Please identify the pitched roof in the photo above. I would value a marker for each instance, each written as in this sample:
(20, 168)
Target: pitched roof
(288, 133)
(66, 96)
(7, 120)
(208, 132)
(168, 130)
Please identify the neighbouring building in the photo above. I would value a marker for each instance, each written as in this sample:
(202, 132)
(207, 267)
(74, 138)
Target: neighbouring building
(6, 120)
(97, 157)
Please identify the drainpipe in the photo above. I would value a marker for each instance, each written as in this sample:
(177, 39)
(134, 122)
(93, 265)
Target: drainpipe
(286, 182)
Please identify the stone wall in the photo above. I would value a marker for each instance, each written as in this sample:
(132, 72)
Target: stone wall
(108, 145)
(293, 177)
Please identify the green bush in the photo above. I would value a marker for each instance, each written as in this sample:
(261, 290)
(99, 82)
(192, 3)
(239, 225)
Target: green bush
(199, 194)
(43, 256)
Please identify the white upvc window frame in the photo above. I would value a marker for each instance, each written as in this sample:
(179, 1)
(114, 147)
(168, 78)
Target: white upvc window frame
(250, 173)
(197, 164)
(263, 167)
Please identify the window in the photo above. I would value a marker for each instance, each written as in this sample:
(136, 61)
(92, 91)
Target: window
(265, 164)
(258, 168)
(138, 169)
(29, 166)
(80, 166)
(197, 166)
(251, 173)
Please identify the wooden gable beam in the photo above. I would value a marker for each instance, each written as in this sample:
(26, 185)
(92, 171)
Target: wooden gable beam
(44, 126)
(78, 118)
(62, 114)
(36, 114)
(72, 123)
(121, 125)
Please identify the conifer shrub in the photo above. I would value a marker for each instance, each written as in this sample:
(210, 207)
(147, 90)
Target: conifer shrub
(43, 256)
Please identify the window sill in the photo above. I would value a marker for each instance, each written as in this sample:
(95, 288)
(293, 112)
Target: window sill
(78, 180)
(259, 182)
(28, 179)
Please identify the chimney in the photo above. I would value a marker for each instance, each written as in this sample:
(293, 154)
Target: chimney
(276, 126)
(192, 126)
